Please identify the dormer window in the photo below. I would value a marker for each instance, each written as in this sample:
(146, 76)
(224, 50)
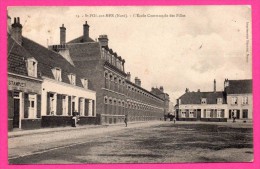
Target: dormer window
(72, 79)
(85, 83)
(203, 101)
(57, 73)
(32, 67)
(219, 100)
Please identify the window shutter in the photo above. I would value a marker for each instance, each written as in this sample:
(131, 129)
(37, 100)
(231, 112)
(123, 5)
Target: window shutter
(59, 104)
(10, 104)
(26, 105)
(38, 106)
(48, 104)
(93, 107)
(78, 106)
(69, 105)
(86, 107)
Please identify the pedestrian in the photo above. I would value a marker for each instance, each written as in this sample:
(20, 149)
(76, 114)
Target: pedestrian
(125, 120)
(174, 119)
(234, 118)
(73, 119)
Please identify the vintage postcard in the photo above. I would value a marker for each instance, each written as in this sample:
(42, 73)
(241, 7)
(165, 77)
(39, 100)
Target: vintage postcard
(129, 84)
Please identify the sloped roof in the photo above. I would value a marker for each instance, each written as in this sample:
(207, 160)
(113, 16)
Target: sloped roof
(195, 97)
(239, 86)
(48, 59)
(81, 51)
(16, 57)
(80, 40)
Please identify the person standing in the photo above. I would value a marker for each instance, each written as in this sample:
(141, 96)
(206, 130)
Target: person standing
(126, 120)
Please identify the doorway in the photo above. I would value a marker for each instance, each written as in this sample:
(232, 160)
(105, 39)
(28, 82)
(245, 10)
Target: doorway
(16, 118)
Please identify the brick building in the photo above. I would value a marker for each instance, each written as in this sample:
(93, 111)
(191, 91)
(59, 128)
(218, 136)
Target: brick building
(43, 87)
(160, 92)
(117, 96)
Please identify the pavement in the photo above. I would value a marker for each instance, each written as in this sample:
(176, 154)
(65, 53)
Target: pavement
(47, 139)
(19, 132)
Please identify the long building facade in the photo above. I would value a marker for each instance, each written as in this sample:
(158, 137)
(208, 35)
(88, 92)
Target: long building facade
(117, 96)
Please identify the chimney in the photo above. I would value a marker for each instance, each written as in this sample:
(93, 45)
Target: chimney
(128, 76)
(103, 40)
(137, 81)
(214, 85)
(226, 83)
(8, 23)
(85, 32)
(62, 35)
(187, 90)
(17, 31)
(161, 88)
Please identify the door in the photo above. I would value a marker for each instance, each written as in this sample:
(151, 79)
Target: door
(198, 114)
(16, 118)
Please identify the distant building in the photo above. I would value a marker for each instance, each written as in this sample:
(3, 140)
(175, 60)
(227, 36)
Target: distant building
(235, 100)
(117, 96)
(160, 92)
(239, 98)
(43, 87)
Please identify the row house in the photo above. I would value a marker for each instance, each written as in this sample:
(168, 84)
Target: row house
(234, 101)
(44, 89)
(239, 98)
(106, 71)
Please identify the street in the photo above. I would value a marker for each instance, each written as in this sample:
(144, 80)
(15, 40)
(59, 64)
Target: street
(149, 142)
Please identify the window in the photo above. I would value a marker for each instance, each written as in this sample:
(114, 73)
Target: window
(64, 105)
(106, 74)
(105, 100)
(52, 104)
(219, 101)
(57, 73)
(245, 114)
(115, 79)
(203, 101)
(208, 113)
(32, 67)
(192, 114)
(72, 79)
(85, 83)
(234, 100)
(219, 113)
(183, 114)
(32, 106)
(245, 100)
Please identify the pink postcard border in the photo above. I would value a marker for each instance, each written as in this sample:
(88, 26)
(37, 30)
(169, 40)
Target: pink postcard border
(256, 80)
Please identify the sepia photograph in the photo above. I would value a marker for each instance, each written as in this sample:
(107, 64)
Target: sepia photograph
(129, 84)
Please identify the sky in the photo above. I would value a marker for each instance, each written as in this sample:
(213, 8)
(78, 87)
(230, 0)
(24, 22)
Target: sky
(176, 47)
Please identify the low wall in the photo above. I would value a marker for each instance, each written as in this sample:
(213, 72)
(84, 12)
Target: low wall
(62, 121)
(204, 119)
(31, 124)
(187, 119)
(214, 119)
